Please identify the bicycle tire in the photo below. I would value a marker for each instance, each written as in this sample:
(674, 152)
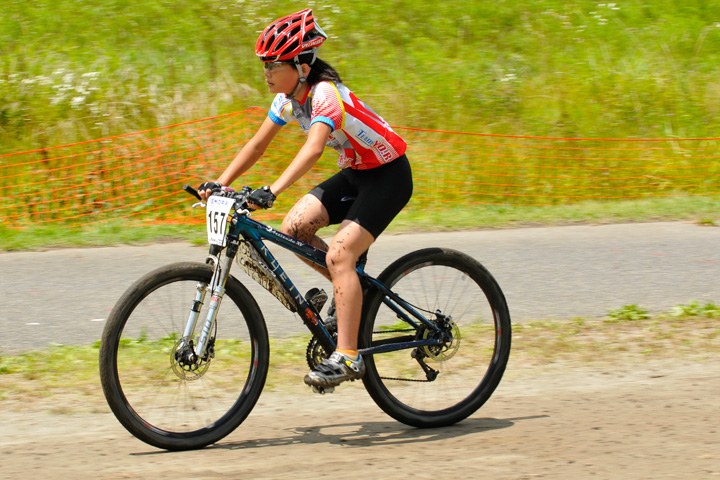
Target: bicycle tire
(457, 285)
(147, 389)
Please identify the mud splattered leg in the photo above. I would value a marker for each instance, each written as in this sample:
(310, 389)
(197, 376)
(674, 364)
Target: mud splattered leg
(349, 243)
(303, 221)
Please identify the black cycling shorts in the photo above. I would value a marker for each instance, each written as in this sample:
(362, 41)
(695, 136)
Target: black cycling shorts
(371, 198)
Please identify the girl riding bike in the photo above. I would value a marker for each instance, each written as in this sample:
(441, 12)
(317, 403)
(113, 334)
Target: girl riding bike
(373, 185)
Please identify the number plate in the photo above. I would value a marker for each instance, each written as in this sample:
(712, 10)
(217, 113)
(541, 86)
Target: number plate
(218, 211)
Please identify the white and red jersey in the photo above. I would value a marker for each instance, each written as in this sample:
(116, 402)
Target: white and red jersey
(362, 138)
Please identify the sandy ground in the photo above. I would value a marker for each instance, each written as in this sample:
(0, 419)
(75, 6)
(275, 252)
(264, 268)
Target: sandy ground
(639, 419)
(656, 419)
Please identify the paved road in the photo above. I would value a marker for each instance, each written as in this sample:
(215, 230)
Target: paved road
(63, 296)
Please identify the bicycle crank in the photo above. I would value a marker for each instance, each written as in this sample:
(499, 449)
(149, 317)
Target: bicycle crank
(315, 353)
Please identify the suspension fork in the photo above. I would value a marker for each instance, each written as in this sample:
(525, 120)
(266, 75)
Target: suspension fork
(221, 271)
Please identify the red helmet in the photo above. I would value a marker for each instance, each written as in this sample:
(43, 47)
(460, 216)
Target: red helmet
(287, 37)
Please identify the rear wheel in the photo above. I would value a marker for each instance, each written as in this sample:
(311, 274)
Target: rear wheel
(154, 387)
(441, 384)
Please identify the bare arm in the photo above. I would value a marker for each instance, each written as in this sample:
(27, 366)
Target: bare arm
(251, 152)
(308, 155)
(247, 156)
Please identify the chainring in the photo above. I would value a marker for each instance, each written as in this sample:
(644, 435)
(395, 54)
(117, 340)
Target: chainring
(315, 353)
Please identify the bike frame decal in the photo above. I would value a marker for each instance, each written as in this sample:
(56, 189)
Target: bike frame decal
(255, 233)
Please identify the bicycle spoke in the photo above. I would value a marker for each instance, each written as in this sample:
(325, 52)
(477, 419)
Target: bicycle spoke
(443, 382)
(158, 392)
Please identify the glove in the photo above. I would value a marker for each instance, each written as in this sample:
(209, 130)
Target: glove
(262, 197)
(214, 186)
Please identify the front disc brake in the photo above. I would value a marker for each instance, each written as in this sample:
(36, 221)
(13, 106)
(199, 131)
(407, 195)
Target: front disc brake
(182, 364)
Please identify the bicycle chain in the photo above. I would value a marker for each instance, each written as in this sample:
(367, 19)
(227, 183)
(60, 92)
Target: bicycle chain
(405, 379)
(395, 331)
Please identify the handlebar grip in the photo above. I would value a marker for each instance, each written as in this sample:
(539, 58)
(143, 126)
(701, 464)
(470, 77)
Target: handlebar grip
(192, 191)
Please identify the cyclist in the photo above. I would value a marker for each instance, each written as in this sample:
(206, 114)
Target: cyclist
(374, 182)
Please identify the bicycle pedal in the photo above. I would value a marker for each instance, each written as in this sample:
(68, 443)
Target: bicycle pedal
(322, 390)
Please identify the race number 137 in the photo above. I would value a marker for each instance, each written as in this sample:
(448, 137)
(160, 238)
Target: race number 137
(218, 211)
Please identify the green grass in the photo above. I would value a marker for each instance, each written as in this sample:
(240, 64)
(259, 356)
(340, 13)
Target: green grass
(701, 210)
(111, 233)
(628, 313)
(73, 70)
(628, 334)
(65, 374)
(81, 70)
(694, 309)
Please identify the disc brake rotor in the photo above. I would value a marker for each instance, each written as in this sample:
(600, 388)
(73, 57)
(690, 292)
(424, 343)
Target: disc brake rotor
(447, 349)
(182, 366)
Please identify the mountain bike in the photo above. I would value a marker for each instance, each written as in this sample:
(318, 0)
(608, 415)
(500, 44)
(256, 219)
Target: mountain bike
(179, 372)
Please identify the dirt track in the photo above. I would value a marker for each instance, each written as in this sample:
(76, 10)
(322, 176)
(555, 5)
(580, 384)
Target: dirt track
(648, 420)
(638, 419)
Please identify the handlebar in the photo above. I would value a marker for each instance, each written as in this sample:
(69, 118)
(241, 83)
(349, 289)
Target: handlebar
(240, 197)
(191, 191)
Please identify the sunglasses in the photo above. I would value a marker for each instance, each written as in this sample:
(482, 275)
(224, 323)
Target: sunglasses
(270, 66)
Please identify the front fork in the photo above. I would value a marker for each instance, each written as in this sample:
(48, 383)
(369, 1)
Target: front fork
(221, 270)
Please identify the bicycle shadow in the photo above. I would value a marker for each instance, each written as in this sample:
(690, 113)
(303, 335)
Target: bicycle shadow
(366, 434)
(372, 434)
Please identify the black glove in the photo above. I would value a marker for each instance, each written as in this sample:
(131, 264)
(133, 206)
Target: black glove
(262, 197)
(214, 186)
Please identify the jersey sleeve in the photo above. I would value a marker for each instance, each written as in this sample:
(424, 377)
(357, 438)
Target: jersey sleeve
(327, 106)
(281, 110)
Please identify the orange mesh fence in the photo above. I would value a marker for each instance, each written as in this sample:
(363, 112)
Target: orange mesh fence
(138, 177)
(488, 169)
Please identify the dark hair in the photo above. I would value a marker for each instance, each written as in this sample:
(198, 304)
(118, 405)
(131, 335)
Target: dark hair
(320, 71)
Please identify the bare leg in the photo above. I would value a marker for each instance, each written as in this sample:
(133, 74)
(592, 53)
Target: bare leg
(352, 240)
(303, 221)
(349, 243)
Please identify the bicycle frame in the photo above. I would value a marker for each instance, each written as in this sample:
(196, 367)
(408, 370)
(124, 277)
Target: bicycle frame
(244, 228)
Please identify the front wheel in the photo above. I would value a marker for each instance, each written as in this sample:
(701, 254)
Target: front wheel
(441, 384)
(154, 391)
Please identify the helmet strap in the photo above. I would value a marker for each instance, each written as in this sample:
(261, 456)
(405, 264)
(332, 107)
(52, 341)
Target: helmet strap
(301, 80)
